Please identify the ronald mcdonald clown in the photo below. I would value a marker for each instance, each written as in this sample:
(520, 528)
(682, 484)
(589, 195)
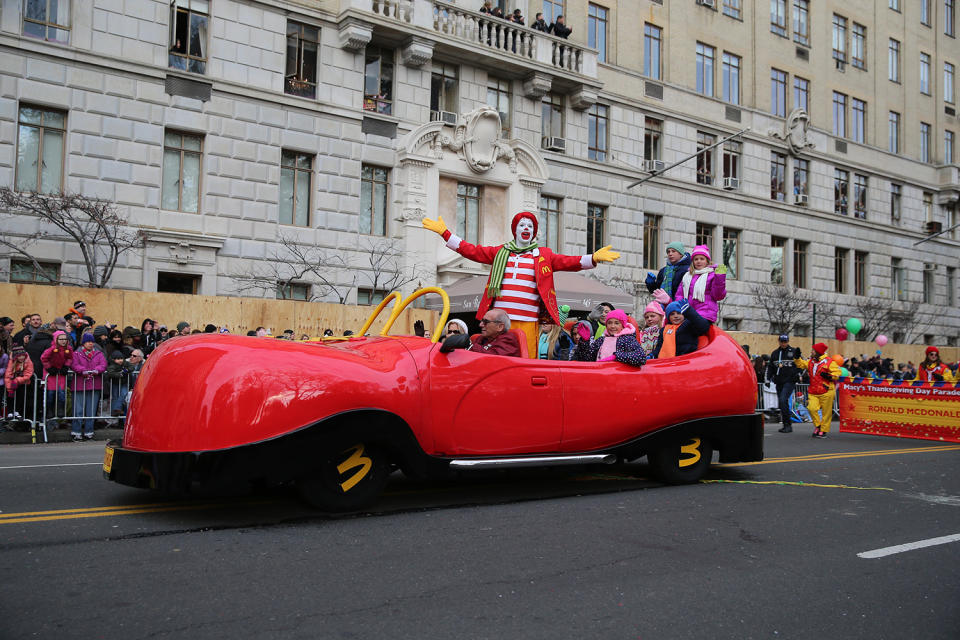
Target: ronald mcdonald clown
(822, 372)
(521, 276)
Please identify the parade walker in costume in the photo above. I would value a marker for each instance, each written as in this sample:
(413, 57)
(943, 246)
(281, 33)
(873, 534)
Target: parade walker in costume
(521, 275)
(823, 372)
(934, 370)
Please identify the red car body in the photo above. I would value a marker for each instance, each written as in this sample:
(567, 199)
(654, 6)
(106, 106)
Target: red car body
(214, 408)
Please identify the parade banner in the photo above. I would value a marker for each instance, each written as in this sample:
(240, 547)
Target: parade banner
(922, 410)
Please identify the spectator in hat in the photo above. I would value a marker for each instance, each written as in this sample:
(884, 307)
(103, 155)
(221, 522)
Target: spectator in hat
(57, 360)
(210, 328)
(75, 327)
(823, 373)
(704, 285)
(183, 328)
(17, 378)
(118, 382)
(670, 276)
(455, 327)
(88, 365)
(150, 336)
(101, 333)
(653, 319)
(39, 343)
(681, 332)
(784, 373)
(618, 343)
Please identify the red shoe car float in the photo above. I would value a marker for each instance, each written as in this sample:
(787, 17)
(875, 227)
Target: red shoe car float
(337, 416)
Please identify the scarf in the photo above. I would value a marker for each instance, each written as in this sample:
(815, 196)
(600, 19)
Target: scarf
(700, 288)
(609, 344)
(667, 283)
(500, 265)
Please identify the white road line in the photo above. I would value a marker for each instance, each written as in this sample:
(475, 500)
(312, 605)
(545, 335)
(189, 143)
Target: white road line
(66, 464)
(910, 546)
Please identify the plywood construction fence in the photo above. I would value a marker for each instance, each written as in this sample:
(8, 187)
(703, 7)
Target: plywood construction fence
(239, 315)
(765, 344)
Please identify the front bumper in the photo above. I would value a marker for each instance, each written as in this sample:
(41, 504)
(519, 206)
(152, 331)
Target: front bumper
(147, 470)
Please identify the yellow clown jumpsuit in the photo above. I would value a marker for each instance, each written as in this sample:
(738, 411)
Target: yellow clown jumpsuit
(821, 392)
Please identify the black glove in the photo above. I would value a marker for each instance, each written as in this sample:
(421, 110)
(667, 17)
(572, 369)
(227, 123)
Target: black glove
(63, 371)
(796, 352)
(419, 329)
(826, 376)
(456, 341)
(938, 377)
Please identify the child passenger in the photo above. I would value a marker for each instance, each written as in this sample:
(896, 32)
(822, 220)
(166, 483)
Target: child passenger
(653, 317)
(679, 336)
(619, 342)
(704, 285)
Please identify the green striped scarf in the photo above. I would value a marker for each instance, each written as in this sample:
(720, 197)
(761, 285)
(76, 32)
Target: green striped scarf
(500, 265)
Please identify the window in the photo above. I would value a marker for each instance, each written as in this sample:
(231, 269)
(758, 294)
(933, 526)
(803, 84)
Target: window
(924, 142)
(704, 158)
(443, 89)
(296, 173)
(800, 264)
(498, 97)
(378, 80)
(47, 19)
(731, 78)
(34, 273)
(370, 297)
(948, 82)
(925, 12)
(896, 195)
(948, 147)
(948, 17)
(596, 215)
(858, 120)
(929, 271)
(840, 269)
(468, 212)
(898, 279)
(778, 17)
(801, 93)
(839, 115)
(552, 9)
(188, 35)
(168, 282)
(651, 241)
(860, 283)
(705, 233)
(894, 4)
(731, 252)
(801, 176)
(860, 196)
(705, 59)
(293, 291)
(374, 187)
(732, 150)
(801, 21)
(893, 131)
(927, 206)
(839, 38)
(858, 46)
(652, 136)
(731, 8)
(40, 140)
(181, 171)
(597, 30)
(778, 176)
(951, 286)
(597, 126)
(300, 79)
(841, 180)
(731, 324)
(778, 92)
(551, 217)
(777, 246)
(551, 120)
(893, 60)
(925, 73)
(652, 43)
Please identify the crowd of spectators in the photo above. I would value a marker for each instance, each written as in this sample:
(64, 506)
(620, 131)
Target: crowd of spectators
(558, 28)
(862, 366)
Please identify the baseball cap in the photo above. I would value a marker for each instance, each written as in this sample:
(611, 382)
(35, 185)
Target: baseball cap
(784, 337)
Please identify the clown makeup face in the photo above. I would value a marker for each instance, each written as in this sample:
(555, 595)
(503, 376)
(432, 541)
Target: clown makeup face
(676, 317)
(651, 319)
(699, 262)
(524, 232)
(673, 256)
(614, 326)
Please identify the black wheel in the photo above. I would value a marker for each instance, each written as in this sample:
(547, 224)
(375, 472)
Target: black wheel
(346, 480)
(682, 462)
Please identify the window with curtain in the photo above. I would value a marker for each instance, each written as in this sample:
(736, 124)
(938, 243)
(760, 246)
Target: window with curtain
(652, 43)
(651, 241)
(596, 219)
(443, 89)
(840, 257)
(893, 132)
(893, 60)
(860, 275)
(778, 176)
(924, 142)
(860, 196)
(948, 74)
(468, 212)
(296, 173)
(839, 38)
(598, 120)
(551, 119)
(896, 192)
(858, 46)
(180, 189)
(778, 17)
(841, 183)
(800, 250)
(551, 216)
(731, 252)
(41, 133)
(705, 60)
(839, 114)
(777, 247)
(801, 21)
(189, 22)
(925, 73)
(498, 97)
(374, 187)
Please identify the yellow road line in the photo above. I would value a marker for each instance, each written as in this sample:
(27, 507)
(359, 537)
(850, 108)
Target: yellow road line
(102, 512)
(798, 484)
(837, 456)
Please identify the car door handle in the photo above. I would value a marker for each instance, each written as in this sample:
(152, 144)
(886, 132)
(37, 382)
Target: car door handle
(538, 381)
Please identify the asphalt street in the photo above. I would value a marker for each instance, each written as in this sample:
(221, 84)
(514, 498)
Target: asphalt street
(768, 550)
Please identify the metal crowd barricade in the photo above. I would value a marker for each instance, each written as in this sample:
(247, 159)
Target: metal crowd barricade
(22, 406)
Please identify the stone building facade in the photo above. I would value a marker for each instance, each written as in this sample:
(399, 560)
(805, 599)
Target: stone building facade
(225, 128)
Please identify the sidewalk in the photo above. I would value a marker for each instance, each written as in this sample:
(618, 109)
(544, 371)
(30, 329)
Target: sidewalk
(57, 435)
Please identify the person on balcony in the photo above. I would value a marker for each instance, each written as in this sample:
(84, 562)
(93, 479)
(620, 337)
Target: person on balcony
(540, 24)
(560, 28)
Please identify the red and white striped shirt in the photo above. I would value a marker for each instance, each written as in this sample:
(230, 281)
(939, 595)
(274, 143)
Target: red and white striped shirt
(518, 292)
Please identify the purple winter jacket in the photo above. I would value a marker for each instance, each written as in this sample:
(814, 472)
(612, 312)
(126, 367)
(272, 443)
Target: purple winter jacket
(95, 361)
(716, 291)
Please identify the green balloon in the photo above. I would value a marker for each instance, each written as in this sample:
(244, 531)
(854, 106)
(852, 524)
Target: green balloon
(854, 326)
(844, 372)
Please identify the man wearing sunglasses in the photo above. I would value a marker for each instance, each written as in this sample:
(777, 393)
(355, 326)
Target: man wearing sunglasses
(495, 336)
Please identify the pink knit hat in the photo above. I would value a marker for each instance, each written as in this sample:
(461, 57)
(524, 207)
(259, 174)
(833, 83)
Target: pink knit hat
(700, 250)
(618, 314)
(653, 307)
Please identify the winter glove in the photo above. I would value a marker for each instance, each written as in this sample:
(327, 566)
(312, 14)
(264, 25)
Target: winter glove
(651, 278)
(938, 377)
(438, 226)
(826, 376)
(720, 269)
(583, 330)
(796, 353)
(684, 305)
(456, 341)
(662, 297)
(419, 329)
(606, 254)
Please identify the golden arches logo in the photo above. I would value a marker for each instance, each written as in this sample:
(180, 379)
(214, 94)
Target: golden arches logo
(356, 459)
(692, 449)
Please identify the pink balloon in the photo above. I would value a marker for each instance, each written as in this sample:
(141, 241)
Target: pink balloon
(881, 340)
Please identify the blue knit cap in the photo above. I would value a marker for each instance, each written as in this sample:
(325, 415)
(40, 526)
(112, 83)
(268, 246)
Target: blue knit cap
(673, 306)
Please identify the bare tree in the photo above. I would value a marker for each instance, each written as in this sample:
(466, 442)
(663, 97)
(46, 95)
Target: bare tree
(383, 271)
(94, 225)
(786, 307)
(903, 320)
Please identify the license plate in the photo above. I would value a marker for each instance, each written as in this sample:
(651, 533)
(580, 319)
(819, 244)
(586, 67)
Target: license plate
(108, 460)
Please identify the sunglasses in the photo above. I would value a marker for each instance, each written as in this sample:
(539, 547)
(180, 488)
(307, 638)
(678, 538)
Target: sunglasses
(485, 321)
(453, 331)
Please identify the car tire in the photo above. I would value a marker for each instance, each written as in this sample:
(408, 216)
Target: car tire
(682, 462)
(347, 480)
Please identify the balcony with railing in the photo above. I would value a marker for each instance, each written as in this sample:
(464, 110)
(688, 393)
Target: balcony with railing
(421, 27)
